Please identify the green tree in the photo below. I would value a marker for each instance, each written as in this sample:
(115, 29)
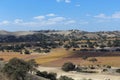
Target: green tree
(116, 43)
(68, 66)
(16, 69)
(32, 65)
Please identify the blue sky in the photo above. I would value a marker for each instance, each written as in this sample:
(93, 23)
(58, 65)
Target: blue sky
(87, 15)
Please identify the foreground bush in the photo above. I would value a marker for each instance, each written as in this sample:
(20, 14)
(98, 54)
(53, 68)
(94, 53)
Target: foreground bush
(65, 78)
(51, 76)
(17, 69)
(68, 66)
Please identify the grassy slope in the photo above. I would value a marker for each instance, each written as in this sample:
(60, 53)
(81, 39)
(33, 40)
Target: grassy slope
(9, 55)
(60, 60)
(59, 56)
(54, 55)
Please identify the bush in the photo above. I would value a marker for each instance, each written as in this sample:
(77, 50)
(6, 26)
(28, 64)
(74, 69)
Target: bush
(78, 69)
(1, 59)
(89, 71)
(104, 70)
(16, 69)
(65, 78)
(93, 60)
(118, 70)
(27, 51)
(68, 66)
(108, 66)
(84, 57)
(51, 76)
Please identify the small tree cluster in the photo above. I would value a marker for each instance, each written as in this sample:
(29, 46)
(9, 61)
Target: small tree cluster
(68, 66)
(17, 69)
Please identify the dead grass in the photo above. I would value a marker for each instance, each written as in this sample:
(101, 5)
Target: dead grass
(59, 56)
(52, 56)
(113, 61)
(9, 55)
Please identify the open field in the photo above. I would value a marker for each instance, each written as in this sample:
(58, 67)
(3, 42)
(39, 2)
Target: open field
(59, 56)
(113, 61)
(103, 58)
(9, 55)
(54, 55)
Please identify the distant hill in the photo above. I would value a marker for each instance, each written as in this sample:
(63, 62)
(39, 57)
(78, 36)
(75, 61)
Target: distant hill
(76, 33)
(17, 33)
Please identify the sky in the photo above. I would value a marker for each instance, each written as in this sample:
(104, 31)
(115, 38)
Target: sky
(87, 15)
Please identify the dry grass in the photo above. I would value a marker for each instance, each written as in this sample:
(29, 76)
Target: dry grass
(9, 55)
(59, 56)
(52, 56)
(113, 61)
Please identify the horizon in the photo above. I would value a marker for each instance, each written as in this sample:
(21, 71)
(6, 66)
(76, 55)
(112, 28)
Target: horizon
(60, 15)
(58, 30)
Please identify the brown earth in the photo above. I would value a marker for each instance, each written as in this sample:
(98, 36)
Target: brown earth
(59, 56)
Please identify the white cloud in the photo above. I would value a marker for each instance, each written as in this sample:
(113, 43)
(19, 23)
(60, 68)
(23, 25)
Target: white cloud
(40, 21)
(51, 15)
(5, 22)
(70, 22)
(66, 1)
(57, 19)
(115, 15)
(101, 16)
(18, 21)
(58, 0)
(39, 17)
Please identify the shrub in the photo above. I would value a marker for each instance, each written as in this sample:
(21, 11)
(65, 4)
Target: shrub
(16, 69)
(93, 60)
(78, 69)
(118, 70)
(65, 78)
(89, 71)
(68, 66)
(104, 70)
(84, 57)
(51, 76)
(108, 66)
(1, 59)
(27, 51)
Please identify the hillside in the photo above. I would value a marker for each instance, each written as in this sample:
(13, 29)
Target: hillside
(49, 47)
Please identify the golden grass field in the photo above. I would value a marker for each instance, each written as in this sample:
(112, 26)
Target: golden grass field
(57, 57)
(9, 55)
(54, 55)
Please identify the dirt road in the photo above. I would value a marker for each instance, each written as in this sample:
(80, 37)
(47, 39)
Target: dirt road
(79, 76)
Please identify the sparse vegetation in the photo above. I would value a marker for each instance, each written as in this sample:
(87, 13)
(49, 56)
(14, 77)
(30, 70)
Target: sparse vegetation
(65, 78)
